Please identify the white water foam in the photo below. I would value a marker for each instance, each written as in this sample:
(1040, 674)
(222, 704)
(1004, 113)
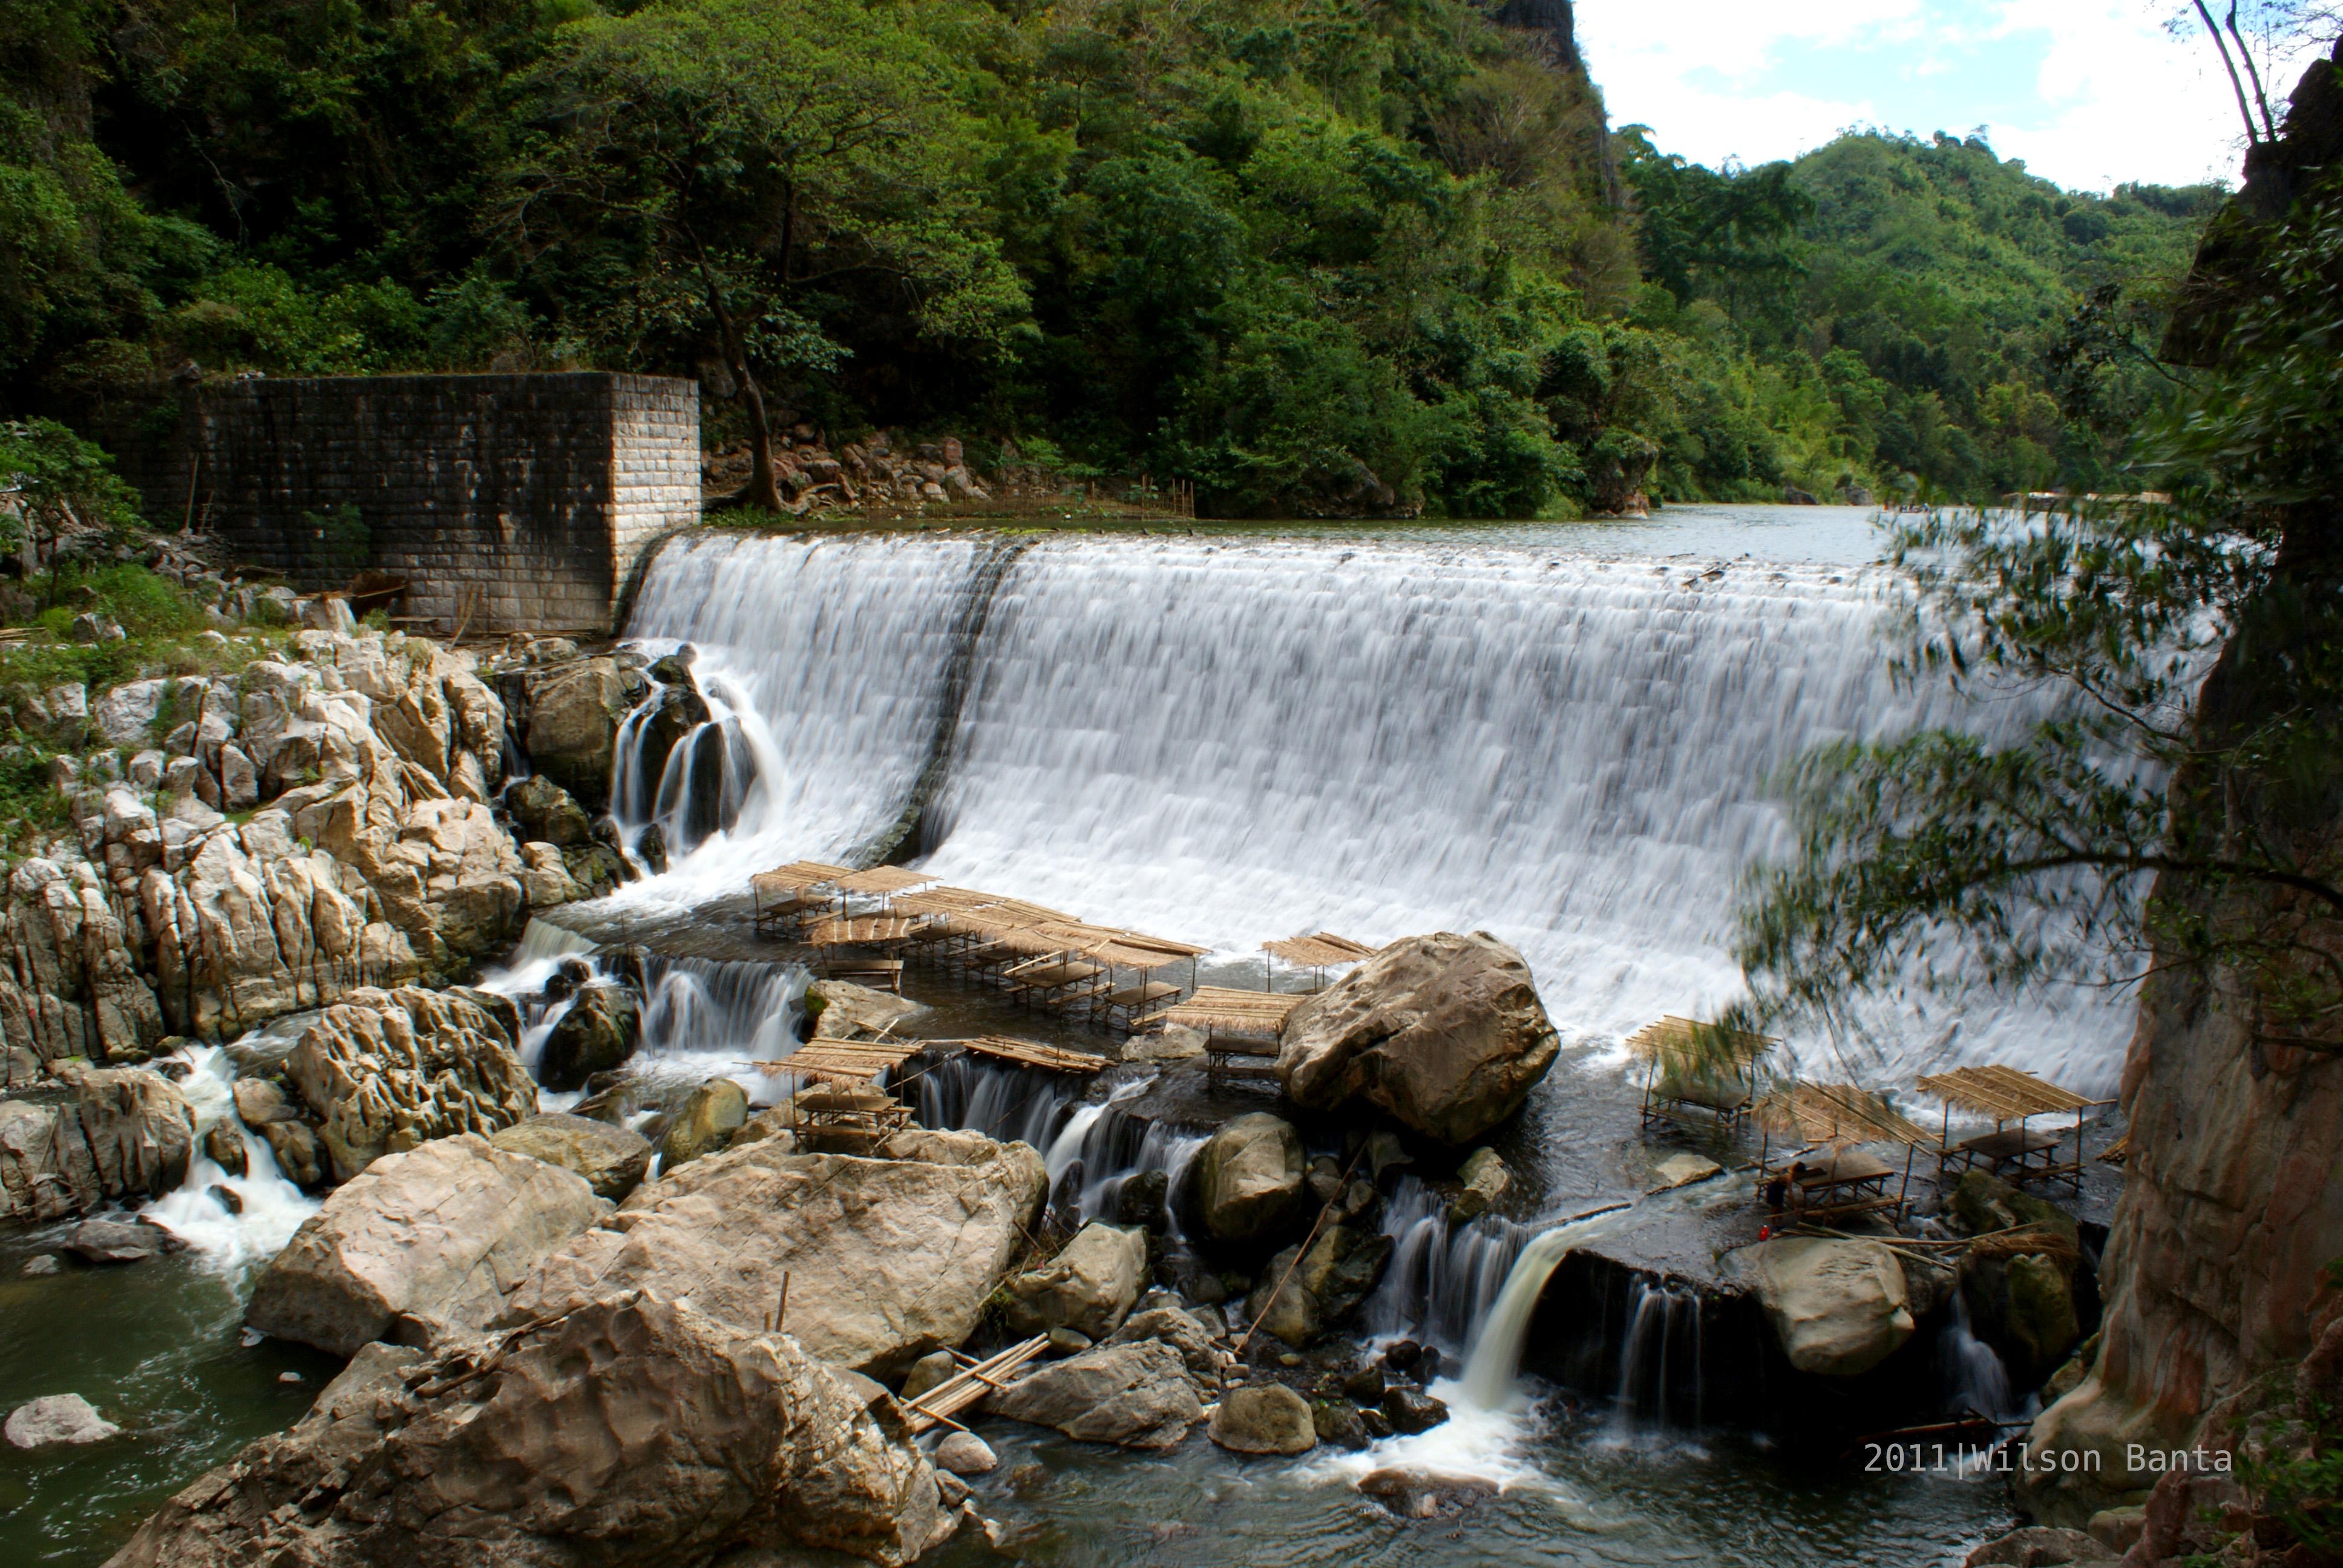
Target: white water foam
(1230, 742)
(270, 1208)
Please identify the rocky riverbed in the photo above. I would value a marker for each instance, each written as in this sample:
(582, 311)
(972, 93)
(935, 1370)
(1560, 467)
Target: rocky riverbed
(348, 1137)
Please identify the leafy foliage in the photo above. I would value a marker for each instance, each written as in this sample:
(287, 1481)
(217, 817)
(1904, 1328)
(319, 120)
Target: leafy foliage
(1312, 255)
(2191, 653)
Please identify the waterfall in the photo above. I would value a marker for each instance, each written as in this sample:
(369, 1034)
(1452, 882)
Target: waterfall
(1442, 1278)
(701, 1018)
(1660, 1356)
(267, 1209)
(1233, 742)
(1974, 1379)
(1090, 1148)
(1496, 1353)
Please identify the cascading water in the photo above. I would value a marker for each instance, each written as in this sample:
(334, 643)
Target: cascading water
(1443, 1277)
(266, 1208)
(1495, 1358)
(1660, 1371)
(701, 1018)
(1090, 1148)
(1233, 741)
(1974, 1379)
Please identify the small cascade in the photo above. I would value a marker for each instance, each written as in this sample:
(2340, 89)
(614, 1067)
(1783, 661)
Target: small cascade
(1090, 1148)
(701, 1018)
(1443, 1277)
(965, 1094)
(1975, 1381)
(687, 757)
(1496, 1355)
(268, 1208)
(1660, 1369)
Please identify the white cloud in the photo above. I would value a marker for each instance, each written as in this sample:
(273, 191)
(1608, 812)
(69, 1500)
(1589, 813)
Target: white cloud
(2088, 92)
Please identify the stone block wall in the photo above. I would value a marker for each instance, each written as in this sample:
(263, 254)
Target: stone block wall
(510, 503)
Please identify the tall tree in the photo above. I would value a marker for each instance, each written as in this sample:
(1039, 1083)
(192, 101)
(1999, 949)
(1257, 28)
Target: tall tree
(757, 158)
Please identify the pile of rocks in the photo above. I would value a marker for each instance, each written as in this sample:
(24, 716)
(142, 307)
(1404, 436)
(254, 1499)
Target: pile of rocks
(859, 474)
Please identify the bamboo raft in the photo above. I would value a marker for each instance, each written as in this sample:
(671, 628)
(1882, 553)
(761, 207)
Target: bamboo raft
(979, 1377)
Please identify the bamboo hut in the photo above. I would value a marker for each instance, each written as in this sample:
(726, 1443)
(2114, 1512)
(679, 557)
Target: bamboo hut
(2008, 1094)
(1698, 1073)
(1840, 1118)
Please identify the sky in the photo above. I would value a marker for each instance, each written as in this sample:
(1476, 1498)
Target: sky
(2089, 93)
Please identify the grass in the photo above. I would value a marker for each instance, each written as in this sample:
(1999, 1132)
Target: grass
(163, 626)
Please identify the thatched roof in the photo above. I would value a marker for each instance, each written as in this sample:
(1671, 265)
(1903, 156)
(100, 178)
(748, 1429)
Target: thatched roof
(1677, 1046)
(1026, 1052)
(1837, 1113)
(1320, 950)
(2001, 1092)
(797, 877)
(840, 932)
(1217, 1010)
(882, 880)
(845, 1060)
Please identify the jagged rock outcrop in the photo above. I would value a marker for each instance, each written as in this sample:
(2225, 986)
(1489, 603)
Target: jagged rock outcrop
(385, 1071)
(888, 1257)
(1444, 1032)
(371, 855)
(127, 1132)
(687, 1437)
(423, 1244)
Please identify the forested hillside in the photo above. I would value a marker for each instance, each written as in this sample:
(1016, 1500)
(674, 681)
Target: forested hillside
(1318, 256)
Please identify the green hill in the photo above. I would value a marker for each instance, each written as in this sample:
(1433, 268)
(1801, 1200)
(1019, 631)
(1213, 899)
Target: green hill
(1315, 257)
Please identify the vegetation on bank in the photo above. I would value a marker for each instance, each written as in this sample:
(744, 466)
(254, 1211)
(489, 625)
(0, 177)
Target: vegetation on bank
(2173, 813)
(1315, 258)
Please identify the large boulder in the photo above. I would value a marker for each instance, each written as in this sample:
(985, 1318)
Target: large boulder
(1088, 1287)
(127, 1132)
(574, 713)
(596, 1032)
(1250, 1179)
(1302, 1294)
(1265, 1418)
(635, 1432)
(611, 1159)
(1444, 1032)
(422, 1243)
(844, 1010)
(888, 1259)
(1837, 1307)
(1133, 1395)
(703, 1123)
(387, 1070)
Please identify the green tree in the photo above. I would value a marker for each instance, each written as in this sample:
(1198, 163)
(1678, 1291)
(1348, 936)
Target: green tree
(2177, 806)
(745, 156)
(58, 494)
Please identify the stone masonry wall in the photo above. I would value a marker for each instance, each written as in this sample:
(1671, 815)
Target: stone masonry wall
(511, 503)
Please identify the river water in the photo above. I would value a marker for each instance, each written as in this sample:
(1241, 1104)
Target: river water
(1560, 733)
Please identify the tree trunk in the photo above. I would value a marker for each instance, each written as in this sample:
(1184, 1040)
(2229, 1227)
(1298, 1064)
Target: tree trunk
(763, 488)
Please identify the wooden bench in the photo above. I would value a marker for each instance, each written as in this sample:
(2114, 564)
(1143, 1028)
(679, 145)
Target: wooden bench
(887, 972)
